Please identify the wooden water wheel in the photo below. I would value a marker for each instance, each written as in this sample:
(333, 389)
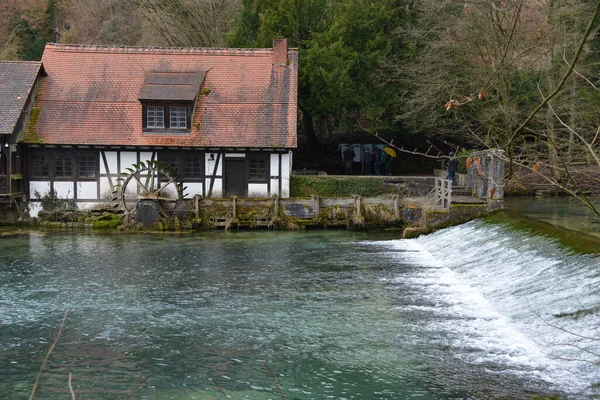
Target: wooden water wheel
(149, 180)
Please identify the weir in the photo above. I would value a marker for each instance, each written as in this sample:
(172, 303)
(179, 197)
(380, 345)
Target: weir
(526, 300)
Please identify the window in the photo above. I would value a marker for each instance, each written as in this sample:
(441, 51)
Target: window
(155, 117)
(40, 165)
(258, 169)
(178, 117)
(189, 165)
(171, 162)
(87, 166)
(63, 166)
(192, 167)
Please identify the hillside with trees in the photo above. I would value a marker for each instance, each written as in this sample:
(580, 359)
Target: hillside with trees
(520, 75)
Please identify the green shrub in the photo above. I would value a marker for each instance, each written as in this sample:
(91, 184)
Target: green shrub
(51, 202)
(306, 186)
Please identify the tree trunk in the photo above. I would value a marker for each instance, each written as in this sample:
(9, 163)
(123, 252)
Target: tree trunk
(309, 131)
(551, 74)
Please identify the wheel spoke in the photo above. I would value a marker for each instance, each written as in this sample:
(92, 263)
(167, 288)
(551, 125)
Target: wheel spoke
(141, 185)
(165, 186)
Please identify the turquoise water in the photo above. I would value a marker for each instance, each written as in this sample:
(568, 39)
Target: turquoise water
(562, 211)
(466, 313)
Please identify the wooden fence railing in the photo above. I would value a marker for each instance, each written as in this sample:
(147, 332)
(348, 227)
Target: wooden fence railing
(441, 195)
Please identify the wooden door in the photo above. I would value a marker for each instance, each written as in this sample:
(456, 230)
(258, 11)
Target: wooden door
(235, 177)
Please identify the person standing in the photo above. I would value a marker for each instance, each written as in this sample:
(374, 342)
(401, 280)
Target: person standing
(367, 161)
(451, 168)
(348, 157)
(377, 160)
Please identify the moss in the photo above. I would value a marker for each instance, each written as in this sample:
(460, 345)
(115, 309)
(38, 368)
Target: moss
(107, 222)
(376, 214)
(205, 92)
(30, 132)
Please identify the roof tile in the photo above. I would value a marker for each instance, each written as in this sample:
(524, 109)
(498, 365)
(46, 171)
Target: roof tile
(16, 81)
(90, 96)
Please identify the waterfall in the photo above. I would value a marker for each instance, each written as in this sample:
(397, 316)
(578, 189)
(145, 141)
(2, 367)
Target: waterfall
(509, 300)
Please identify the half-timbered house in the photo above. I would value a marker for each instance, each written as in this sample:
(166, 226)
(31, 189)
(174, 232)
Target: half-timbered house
(224, 119)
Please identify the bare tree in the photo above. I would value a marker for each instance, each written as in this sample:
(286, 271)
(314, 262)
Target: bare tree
(107, 22)
(190, 23)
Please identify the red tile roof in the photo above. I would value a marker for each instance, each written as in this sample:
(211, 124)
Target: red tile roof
(90, 96)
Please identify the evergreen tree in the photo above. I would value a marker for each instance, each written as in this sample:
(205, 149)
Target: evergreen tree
(345, 48)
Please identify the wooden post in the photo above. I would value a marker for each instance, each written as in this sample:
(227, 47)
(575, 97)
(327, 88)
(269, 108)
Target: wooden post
(234, 207)
(396, 206)
(357, 201)
(275, 205)
(317, 205)
(449, 197)
(196, 206)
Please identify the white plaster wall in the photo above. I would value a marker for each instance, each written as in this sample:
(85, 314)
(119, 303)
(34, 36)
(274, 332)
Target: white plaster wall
(38, 189)
(286, 168)
(105, 188)
(34, 209)
(210, 165)
(111, 160)
(87, 190)
(90, 206)
(235, 155)
(274, 187)
(258, 190)
(128, 158)
(132, 186)
(274, 165)
(65, 190)
(169, 191)
(193, 188)
(146, 156)
(217, 187)
(274, 172)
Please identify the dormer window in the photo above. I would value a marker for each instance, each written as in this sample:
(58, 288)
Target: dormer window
(155, 117)
(178, 117)
(168, 100)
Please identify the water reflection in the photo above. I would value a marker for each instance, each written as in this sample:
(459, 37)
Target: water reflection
(562, 211)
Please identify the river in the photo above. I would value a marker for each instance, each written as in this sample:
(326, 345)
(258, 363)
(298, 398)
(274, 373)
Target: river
(490, 309)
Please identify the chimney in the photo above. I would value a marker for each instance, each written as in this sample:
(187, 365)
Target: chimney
(280, 51)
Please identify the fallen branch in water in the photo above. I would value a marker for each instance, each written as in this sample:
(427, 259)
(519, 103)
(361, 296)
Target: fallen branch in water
(218, 387)
(37, 379)
(132, 391)
(274, 379)
(71, 387)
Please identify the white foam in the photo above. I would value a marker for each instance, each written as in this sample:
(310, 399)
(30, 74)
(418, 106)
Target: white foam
(491, 288)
